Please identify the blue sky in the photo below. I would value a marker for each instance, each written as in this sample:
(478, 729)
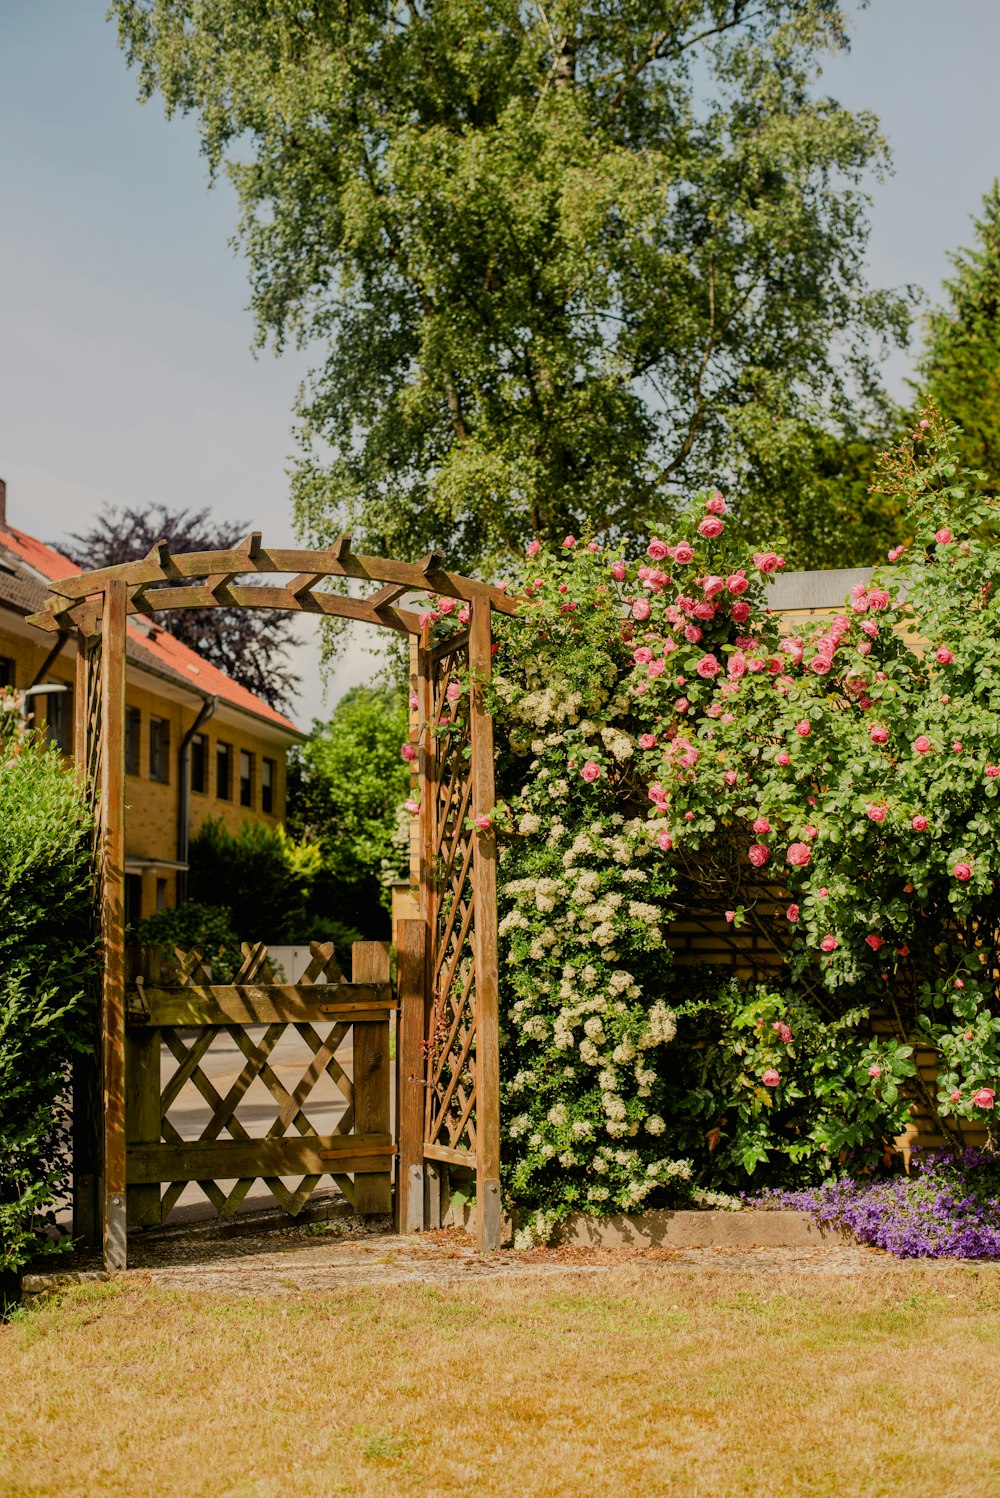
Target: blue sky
(126, 370)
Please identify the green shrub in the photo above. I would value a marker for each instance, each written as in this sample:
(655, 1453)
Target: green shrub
(208, 927)
(260, 875)
(47, 982)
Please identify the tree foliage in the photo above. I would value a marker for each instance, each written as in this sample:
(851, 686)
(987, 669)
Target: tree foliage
(960, 366)
(250, 645)
(260, 875)
(557, 260)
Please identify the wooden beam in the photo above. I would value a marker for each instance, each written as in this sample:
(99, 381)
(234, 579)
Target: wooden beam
(195, 1006)
(370, 964)
(241, 1159)
(484, 935)
(112, 858)
(447, 1156)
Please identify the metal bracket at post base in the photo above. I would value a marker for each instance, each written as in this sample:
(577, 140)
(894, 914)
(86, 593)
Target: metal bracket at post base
(115, 1239)
(490, 1218)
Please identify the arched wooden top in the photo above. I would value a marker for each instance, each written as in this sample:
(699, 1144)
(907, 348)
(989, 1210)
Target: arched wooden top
(166, 580)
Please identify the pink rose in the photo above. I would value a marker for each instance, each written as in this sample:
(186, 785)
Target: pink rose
(762, 826)
(983, 1098)
(956, 1096)
(770, 1078)
(783, 757)
(829, 944)
(740, 612)
(783, 1031)
(895, 553)
(483, 822)
(736, 583)
(642, 656)
(716, 505)
(454, 691)
(766, 561)
(799, 855)
(922, 745)
(533, 548)
(820, 664)
(618, 571)
(682, 705)
(591, 772)
(712, 586)
(730, 917)
(758, 855)
(730, 777)
(956, 746)
(704, 610)
(463, 616)
(878, 598)
(736, 665)
(449, 605)
(919, 823)
(569, 543)
(640, 609)
(657, 550)
(429, 616)
(870, 628)
(647, 740)
(943, 656)
(708, 667)
(992, 771)
(792, 913)
(683, 553)
(875, 942)
(711, 527)
(874, 1071)
(963, 871)
(412, 807)
(943, 536)
(864, 647)
(692, 633)
(823, 892)
(876, 813)
(878, 734)
(803, 729)
(665, 841)
(593, 546)
(414, 700)
(408, 751)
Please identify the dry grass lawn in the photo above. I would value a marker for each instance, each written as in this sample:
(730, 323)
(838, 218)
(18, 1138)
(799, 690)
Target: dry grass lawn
(643, 1380)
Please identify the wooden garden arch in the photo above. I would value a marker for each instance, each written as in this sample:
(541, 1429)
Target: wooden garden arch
(448, 1044)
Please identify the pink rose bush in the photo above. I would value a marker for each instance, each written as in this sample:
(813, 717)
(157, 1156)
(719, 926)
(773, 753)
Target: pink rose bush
(647, 740)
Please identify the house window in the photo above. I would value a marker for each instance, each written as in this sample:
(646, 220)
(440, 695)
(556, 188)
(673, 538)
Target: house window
(133, 899)
(6, 672)
(199, 764)
(161, 894)
(133, 726)
(246, 778)
(59, 719)
(267, 779)
(159, 750)
(224, 771)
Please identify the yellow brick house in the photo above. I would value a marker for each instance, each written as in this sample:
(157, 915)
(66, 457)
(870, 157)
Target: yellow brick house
(198, 744)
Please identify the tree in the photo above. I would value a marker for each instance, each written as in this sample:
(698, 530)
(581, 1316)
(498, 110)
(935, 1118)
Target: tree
(559, 260)
(346, 788)
(960, 367)
(249, 645)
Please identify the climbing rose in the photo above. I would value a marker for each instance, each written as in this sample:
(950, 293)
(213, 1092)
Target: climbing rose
(454, 691)
(878, 734)
(740, 612)
(993, 771)
(895, 553)
(820, 664)
(767, 561)
(759, 855)
(956, 1096)
(783, 757)
(761, 826)
(483, 822)
(962, 871)
(943, 656)
(533, 548)
(711, 527)
(618, 571)
(783, 1031)
(730, 777)
(665, 841)
(657, 550)
(876, 813)
(412, 807)
(569, 543)
(919, 824)
(408, 751)
(792, 913)
(799, 855)
(922, 745)
(803, 729)
(414, 700)
(829, 944)
(983, 1098)
(875, 942)
(874, 1071)
(716, 505)
(591, 772)
(683, 553)
(737, 583)
(647, 740)
(943, 536)
(956, 746)
(463, 616)
(708, 666)
(642, 656)
(640, 609)
(771, 1078)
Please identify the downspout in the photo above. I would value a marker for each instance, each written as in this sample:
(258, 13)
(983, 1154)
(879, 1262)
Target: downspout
(184, 793)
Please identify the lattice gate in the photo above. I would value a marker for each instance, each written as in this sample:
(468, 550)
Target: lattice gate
(126, 1143)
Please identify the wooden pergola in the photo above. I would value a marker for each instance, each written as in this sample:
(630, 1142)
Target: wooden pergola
(446, 990)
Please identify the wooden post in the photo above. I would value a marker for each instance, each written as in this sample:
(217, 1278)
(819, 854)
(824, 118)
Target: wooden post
(411, 941)
(427, 770)
(142, 1089)
(112, 857)
(485, 940)
(372, 1191)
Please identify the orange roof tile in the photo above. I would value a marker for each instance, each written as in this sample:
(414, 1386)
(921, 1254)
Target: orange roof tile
(176, 657)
